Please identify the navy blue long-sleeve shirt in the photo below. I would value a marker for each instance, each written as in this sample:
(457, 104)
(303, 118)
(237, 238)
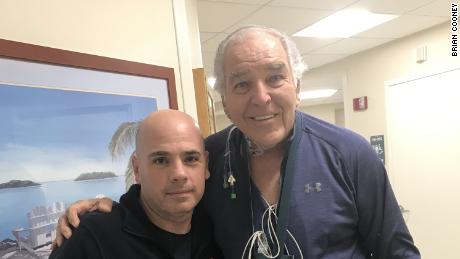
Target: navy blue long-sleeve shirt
(342, 204)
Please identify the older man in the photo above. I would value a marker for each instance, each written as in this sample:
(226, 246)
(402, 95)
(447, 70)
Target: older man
(154, 218)
(320, 186)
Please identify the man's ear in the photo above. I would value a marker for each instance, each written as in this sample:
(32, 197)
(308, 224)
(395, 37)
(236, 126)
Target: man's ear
(135, 164)
(206, 159)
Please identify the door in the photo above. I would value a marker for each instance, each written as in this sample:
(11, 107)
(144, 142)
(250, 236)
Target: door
(424, 159)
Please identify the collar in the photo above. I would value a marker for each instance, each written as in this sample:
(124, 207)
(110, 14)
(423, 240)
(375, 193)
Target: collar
(246, 144)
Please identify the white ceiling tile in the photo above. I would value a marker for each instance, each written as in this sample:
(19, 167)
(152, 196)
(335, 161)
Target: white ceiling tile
(216, 16)
(204, 36)
(285, 19)
(250, 2)
(212, 43)
(438, 8)
(306, 45)
(313, 4)
(402, 26)
(316, 60)
(390, 6)
(350, 46)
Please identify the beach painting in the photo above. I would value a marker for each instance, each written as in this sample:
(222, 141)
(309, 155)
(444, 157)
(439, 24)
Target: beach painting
(54, 150)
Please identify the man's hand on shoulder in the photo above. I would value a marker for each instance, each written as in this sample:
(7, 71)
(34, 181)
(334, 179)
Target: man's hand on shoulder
(71, 217)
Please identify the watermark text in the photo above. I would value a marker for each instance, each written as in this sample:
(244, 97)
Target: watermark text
(454, 28)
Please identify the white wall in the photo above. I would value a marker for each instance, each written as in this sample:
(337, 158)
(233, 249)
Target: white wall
(367, 72)
(340, 117)
(326, 112)
(424, 137)
(144, 31)
(222, 121)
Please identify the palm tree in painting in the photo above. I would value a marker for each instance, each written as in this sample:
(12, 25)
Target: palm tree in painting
(123, 139)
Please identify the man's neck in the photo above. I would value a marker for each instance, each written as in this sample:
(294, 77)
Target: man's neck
(265, 172)
(177, 224)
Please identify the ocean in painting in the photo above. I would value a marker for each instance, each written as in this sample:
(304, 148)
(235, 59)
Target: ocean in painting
(15, 203)
(51, 137)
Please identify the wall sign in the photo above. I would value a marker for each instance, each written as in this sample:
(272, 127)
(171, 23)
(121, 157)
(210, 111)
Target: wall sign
(378, 144)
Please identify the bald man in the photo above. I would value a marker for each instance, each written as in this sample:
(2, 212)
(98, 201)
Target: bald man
(154, 218)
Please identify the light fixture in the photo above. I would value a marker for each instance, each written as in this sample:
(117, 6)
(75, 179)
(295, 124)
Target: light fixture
(211, 81)
(344, 24)
(321, 93)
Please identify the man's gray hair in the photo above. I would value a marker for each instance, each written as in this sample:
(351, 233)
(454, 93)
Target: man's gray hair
(296, 63)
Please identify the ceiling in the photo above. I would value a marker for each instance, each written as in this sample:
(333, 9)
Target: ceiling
(218, 18)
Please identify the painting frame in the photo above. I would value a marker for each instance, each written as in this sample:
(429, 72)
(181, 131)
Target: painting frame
(39, 54)
(30, 56)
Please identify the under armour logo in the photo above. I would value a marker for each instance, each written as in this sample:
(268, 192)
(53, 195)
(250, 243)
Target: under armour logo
(316, 188)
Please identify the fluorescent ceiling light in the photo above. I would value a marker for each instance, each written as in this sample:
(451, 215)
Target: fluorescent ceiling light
(211, 81)
(344, 24)
(317, 93)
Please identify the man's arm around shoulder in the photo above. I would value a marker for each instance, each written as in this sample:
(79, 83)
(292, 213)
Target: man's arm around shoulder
(81, 245)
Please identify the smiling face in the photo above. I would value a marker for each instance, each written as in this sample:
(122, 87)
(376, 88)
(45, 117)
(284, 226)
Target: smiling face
(170, 165)
(260, 96)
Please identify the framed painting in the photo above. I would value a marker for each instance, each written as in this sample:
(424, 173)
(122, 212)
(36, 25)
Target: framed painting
(66, 134)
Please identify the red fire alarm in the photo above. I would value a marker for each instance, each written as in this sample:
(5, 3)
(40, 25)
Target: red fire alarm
(360, 103)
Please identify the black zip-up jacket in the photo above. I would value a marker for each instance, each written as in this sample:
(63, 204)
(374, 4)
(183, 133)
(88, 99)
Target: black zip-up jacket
(126, 232)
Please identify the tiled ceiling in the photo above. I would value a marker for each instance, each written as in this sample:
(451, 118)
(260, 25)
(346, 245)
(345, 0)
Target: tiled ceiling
(218, 18)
